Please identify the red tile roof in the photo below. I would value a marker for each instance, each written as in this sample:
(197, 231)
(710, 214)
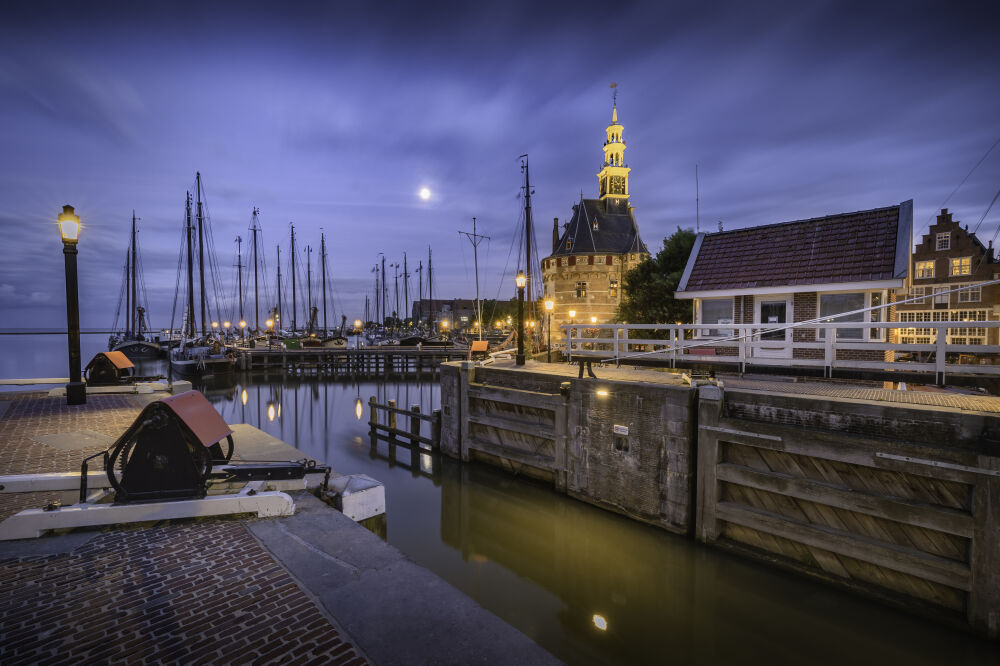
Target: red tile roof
(848, 247)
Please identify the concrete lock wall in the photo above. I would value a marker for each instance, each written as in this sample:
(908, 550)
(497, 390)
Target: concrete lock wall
(628, 450)
(900, 502)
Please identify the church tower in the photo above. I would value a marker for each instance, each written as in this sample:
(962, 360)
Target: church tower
(597, 246)
(613, 179)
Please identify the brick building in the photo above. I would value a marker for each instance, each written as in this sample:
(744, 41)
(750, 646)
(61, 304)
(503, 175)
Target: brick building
(798, 271)
(946, 258)
(597, 246)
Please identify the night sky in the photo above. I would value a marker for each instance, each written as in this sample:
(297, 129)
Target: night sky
(334, 115)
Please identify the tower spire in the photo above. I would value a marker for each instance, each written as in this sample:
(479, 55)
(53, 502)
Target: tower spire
(612, 180)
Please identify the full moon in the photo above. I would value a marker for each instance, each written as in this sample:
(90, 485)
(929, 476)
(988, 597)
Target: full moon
(425, 193)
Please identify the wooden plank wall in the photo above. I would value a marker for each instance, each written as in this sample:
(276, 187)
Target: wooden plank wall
(849, 509)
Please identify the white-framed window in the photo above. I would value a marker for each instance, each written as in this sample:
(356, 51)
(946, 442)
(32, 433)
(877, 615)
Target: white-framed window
(961, 266)
(919, 292)
(940, 298)
(835, 304)
(970, 295)
(718, 311)
(581, 289)
(943, 241)
(924, 269)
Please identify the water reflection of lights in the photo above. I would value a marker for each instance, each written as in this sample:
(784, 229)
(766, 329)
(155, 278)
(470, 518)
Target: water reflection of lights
(270, 412)
(426, 462)
(279, 410)
(603, 393)
(243, 396)
(357, 408)
(600, 622)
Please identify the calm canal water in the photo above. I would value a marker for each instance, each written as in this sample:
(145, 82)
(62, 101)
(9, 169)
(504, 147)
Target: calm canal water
(554, 567)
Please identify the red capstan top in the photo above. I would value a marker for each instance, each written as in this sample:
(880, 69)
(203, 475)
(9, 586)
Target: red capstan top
(197, 413)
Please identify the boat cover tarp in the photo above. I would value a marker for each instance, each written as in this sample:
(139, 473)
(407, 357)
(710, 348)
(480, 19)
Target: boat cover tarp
(118, 359)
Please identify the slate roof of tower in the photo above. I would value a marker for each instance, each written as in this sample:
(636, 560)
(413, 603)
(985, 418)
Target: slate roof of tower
(862, 246)
(616, 232)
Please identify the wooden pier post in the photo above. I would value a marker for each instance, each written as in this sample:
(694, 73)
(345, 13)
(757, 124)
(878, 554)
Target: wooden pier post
(436, 430)
(415, 425)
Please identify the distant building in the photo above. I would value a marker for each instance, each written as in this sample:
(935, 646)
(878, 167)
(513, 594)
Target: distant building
(599, 244)
(946, 258)
(459, 313)
(798, 271)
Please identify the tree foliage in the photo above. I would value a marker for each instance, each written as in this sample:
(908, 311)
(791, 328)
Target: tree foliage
(648, 289)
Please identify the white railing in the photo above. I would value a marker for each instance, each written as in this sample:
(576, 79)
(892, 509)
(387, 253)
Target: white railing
(745, 344)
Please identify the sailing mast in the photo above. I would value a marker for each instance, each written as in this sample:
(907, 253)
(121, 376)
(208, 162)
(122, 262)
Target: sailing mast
(322, 258)
(420, 292)
(309, 286)
(189, 329)
(293, 279)
(527, 234)
(430, 287)
(406, 289)
(239, 272)
(277, 322)
(476, 239)
(201, 252)
(385, 292)
(256, 293)
(132, 313)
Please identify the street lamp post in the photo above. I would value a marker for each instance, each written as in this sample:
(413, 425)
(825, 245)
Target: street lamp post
(549, 306)
(569, 345)
(69, 229)
(270, 324)
(521, 281)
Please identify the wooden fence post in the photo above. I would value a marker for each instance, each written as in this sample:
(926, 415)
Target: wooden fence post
(414, 425)
(392, 421)
(436, 430)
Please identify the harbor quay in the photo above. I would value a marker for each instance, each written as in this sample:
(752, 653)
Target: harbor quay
(890, 494)
(312, 588)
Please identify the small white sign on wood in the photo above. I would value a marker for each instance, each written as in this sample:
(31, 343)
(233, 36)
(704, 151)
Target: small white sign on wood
(620, 429)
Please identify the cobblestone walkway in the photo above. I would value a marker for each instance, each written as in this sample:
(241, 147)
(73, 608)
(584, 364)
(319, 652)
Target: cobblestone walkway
(176, 593)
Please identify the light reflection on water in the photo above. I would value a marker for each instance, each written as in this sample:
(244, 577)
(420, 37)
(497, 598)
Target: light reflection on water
(586, 584)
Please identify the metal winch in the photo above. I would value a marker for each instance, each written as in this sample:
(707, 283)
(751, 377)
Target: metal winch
(170, 463)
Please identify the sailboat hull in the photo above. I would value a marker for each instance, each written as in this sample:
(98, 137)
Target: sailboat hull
(136, 349)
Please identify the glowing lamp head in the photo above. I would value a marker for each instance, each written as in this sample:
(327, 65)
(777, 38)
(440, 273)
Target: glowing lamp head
(600, 622)
(215, 324)
(243, 323)
(357, 323)
(531, 324)
(444, 324)
(69, 226)
(521, 280)
(572, 314)
(593, 320)
(550, 305)
(269, 323)
(227, 324)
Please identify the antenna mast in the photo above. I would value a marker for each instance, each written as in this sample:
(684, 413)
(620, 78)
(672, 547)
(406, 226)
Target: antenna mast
(697, 203)
(476, 239)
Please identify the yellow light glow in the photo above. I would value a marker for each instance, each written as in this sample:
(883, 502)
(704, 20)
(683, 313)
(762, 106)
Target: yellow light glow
(69, 225)
(279, 410)
(603, 393)
(444, 324)
(600, 622)
(270, 412)
(572, 313)
(227, 324)
(593, 320)
(531, 324)
(499, 324)
(243, 396)
(357, 408)
(425, 193)
(357, 323)
(520, 280)
(269, 323)
(243, 324)
(550, 305)
(215, 324)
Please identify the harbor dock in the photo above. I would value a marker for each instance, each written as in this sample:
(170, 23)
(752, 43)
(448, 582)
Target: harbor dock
(350, 363)
(315, 587)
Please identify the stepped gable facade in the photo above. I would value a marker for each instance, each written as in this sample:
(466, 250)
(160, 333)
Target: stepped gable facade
(949, 257)
(599, 244)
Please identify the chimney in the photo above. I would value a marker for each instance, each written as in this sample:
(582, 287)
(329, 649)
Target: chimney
(555, 233)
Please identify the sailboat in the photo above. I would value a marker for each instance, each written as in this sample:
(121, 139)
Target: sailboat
(134, 338)
(204, 354)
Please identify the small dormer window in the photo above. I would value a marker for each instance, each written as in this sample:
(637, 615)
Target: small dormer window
(943, 241)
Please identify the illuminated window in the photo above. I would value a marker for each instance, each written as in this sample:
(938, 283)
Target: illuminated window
(943, 242)
(581, 289)
(613, 288)
(925, 269)
(961, 266)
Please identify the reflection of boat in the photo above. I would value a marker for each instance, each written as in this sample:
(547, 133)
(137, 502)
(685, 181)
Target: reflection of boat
(202, 357)
(134, 339)
(420, 341)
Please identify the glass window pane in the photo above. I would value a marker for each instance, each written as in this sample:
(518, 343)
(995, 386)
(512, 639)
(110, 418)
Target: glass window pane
(716, 311)
(834, 304)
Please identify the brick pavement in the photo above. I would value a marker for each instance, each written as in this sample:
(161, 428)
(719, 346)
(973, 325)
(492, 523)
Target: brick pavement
(177, 592)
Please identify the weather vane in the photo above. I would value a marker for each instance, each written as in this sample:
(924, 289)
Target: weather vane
(614, 97)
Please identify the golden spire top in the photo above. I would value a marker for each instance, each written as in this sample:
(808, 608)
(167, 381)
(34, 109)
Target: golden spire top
(614, 103)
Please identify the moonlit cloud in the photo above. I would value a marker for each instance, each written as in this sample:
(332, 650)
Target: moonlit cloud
(332, 116)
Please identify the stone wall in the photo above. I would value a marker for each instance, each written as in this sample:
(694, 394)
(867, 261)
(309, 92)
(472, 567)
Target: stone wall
(561, 274)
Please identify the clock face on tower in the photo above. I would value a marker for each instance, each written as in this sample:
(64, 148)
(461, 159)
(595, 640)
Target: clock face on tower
(617, 185)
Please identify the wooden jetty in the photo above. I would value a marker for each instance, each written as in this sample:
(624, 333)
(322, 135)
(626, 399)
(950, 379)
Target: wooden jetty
(363, 363)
